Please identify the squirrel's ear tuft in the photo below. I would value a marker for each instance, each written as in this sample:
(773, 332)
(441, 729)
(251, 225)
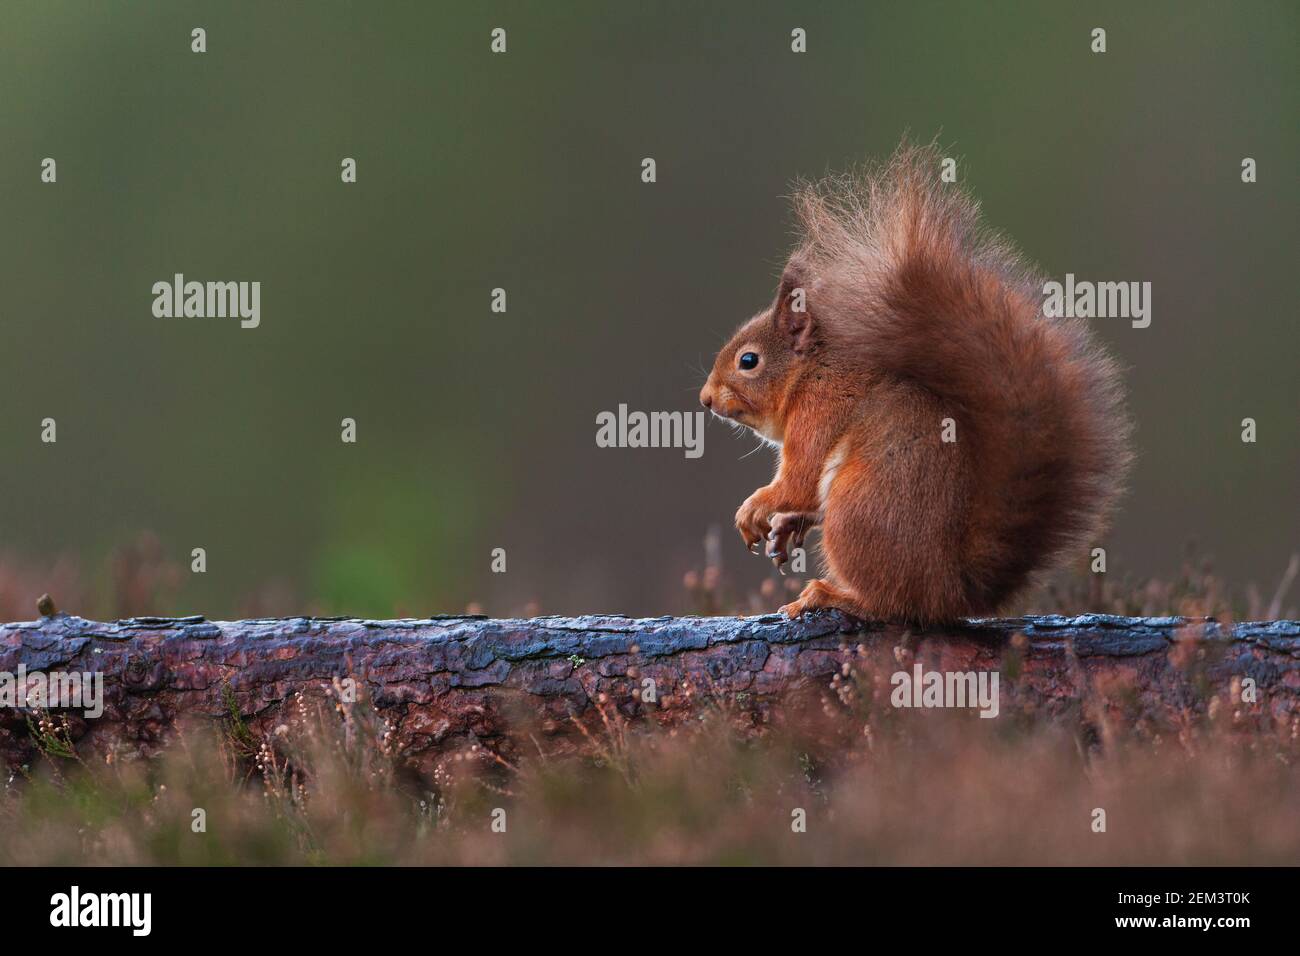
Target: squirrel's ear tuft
(792, 312)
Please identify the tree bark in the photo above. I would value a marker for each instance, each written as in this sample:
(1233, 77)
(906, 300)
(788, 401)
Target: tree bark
(448, 681)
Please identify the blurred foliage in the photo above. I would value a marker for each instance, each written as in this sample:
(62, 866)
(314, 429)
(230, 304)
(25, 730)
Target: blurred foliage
(329, 783)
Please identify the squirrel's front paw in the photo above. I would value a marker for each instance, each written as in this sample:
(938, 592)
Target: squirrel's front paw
(789, 528)
(752, 521)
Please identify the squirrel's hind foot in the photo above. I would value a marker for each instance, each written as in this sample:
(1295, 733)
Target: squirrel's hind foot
(820, 593)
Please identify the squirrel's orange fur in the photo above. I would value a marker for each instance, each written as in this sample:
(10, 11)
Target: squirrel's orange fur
(916, 324)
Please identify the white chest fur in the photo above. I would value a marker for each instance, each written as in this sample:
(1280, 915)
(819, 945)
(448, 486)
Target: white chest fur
(830, 468)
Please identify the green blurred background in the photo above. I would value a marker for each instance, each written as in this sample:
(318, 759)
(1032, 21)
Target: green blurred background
(476, 430)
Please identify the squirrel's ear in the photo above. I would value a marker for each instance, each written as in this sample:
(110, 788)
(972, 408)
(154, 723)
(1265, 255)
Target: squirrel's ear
(792, 312)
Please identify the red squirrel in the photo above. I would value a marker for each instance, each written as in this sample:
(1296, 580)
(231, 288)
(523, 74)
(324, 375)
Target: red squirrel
(948, 438)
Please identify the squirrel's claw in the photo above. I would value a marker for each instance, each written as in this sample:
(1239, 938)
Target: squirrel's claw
(752, 523)
(788, 532)
(776, 550)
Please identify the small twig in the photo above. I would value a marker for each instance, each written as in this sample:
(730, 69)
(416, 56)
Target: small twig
(1275, 606)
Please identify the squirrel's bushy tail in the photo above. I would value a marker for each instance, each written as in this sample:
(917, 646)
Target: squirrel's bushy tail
(907, 278)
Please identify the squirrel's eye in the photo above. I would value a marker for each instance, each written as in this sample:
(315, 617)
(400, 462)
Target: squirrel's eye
(748, 361)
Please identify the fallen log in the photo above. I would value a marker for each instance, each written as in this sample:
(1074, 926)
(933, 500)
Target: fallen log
(447, 681)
